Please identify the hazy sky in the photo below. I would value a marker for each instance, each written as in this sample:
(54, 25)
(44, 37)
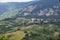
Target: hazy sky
(15, 0)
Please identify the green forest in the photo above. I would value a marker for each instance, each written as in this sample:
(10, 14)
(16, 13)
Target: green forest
(22, 29)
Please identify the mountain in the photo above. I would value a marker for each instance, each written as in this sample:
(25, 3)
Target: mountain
(44, 9)
(31, 21)
(47, 9)
(12, 5)
(10, 9)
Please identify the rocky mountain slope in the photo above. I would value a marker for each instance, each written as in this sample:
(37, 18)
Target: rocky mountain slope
(10, 9)
(42, 9)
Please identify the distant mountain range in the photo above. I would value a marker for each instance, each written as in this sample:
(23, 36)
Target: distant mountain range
(12, 5)
(44, 9)
(7, 10)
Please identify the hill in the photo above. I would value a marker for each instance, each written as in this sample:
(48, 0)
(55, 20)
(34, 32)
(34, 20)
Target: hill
(44, 9)
(11, 7)
(39, 20)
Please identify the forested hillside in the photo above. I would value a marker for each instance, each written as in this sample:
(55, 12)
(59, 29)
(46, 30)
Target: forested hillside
(37, 20)
(10, 9)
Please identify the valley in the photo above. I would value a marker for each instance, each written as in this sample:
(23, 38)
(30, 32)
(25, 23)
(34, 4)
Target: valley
(35, 20)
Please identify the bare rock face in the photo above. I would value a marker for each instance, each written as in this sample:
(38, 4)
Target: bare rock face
(42, 9)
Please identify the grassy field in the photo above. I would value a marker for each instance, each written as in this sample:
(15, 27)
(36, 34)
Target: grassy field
(18, 35)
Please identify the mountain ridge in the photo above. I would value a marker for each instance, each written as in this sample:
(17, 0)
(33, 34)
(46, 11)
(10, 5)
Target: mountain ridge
(44, 9)
(8, 8)
(47, 9)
